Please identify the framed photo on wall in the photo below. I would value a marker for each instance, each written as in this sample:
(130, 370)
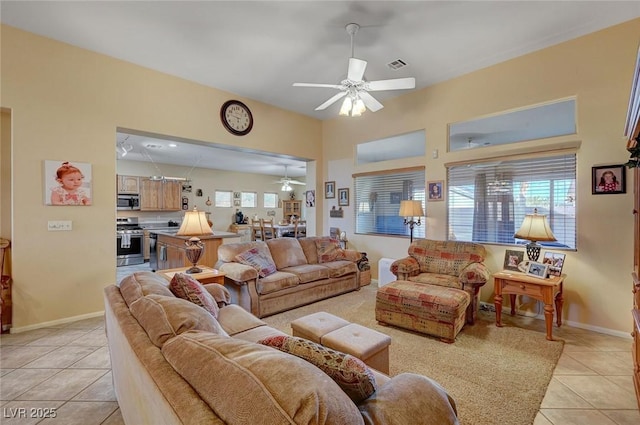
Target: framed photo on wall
(343, 197)
(435, 190)
(329, 190)
(512, 258)
(67, 183)
(608, 179)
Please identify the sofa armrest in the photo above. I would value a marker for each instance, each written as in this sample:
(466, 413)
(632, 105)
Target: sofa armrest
(219, 293)
(405, 267)
(409, 398)
(474, 275)
(352, 255)
(239, 273)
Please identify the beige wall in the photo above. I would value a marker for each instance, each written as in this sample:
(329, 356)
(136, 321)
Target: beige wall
(597, 69)
(66, 104)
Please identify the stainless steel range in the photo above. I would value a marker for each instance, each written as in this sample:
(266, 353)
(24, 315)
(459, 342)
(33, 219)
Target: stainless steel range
(129, 241)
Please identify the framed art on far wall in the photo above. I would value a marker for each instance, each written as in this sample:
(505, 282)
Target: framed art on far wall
(608, 179)
(329, 190)
(435, 190)
(343, 197)
(67, 183)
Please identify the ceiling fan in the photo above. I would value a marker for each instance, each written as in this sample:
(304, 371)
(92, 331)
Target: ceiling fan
(286, 182)
(356, 89)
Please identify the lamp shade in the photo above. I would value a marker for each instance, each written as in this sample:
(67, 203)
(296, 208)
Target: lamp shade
(411, 209)
(194, 223)
(535, 228)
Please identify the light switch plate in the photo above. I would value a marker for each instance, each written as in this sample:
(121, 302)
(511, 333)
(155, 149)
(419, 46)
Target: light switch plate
(59, 225)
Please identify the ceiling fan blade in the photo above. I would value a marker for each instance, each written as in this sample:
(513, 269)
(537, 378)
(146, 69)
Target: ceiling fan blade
(356, 69)
(370, 102)
(395, 84)
(297, 182)
(331, 101)
(331, 86)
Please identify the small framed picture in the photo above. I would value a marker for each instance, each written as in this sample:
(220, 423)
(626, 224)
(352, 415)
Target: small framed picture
(555, 261)
(435, 190)
(236, 195)
(236, 202)
(67, 183)
(395, 197)
(343, 197)
(538, 270)
(512, 258)
(310, 198)
(608, 179)
(329, 190)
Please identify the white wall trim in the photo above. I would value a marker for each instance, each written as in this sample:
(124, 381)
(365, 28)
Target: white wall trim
(15, 330)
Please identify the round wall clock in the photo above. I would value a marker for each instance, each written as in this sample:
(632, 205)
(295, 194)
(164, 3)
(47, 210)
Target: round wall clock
(236, 117)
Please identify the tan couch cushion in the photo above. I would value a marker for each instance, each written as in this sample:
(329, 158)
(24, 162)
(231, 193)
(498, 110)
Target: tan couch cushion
(309, 272)
(248, 383)
(139, 284)
(276, 282)
(286, 252)
(329, 250)
(228, 252)
(235, 319)
(165, 317)
(341, 268)
(409, 399)
(309, 248)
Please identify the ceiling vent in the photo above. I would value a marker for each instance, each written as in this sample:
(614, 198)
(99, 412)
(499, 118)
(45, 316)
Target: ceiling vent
(397, 64)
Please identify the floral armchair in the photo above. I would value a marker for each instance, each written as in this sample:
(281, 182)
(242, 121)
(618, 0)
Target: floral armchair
(451, 264)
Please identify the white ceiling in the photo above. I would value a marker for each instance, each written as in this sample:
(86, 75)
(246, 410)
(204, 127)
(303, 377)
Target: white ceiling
(258, 49)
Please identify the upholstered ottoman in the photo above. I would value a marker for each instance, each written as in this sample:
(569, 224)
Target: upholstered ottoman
(370, 346)
(430, 309)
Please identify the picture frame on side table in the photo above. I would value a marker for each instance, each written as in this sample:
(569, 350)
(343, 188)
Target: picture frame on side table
(512, 258)
(343, 197)
(555, 261)
(538, 270)
(608, 179)
(329, 190)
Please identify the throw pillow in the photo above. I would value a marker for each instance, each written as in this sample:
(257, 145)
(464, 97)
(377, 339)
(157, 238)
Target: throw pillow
(184, 286)
(258, 260)
(349, 372)
(329, 250)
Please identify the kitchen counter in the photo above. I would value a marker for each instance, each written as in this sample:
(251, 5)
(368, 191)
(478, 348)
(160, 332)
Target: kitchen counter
(217, 234)
(170, 248)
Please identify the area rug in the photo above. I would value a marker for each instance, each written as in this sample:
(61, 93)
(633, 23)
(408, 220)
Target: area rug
(496, 375)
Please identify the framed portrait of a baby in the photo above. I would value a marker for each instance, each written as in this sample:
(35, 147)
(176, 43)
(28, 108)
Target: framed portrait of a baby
(67, 183)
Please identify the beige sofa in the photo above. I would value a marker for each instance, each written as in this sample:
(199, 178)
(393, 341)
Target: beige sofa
(173, 363)
(301, 277)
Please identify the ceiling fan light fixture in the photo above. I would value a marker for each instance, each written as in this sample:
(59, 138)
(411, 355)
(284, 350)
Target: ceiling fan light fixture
(358, 108)
(346, 106)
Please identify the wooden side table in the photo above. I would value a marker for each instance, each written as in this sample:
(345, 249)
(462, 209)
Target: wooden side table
(208, 274)
(549, 291)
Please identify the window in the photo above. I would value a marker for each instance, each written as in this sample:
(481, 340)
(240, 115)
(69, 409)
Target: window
(248, 199)
(488, 201)
(377, 201)
(407, 145)
(223, 198)
(270, 200)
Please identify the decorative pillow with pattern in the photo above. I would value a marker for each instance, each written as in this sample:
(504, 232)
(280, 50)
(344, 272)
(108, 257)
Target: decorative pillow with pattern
(349, 372)
(258, 260)
(184, 286)
(329, 250)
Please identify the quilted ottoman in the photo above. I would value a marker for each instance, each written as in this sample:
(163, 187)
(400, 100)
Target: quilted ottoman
(428, 309)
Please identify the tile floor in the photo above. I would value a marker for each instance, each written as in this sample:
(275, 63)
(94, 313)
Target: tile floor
(66, 369)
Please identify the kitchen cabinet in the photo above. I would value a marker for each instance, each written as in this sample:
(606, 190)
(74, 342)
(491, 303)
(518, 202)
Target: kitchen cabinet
(129, 185)
(160, 195)
(290, 208)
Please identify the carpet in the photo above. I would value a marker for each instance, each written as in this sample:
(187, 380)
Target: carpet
(496, 375)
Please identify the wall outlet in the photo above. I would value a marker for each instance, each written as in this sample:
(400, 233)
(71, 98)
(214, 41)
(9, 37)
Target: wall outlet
(59, 225)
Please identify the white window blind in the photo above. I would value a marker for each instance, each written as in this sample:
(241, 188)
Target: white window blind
(488, 201)
(377, 201)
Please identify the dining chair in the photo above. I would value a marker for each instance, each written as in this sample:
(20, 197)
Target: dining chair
(5, 289)
(256, 230)
(268, 231)
(301, 229)
(294, 232)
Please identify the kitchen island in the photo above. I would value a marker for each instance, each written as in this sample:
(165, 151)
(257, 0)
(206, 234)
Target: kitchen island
(170, 248)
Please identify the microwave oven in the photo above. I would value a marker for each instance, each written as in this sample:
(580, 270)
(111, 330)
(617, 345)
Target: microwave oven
(129, 202)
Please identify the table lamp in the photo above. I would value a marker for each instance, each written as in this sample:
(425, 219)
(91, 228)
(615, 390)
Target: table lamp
(410, 209)
(194, 224)
(534, 228)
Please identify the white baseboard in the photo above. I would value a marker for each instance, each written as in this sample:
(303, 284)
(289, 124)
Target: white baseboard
(15, 330)
(606, 331)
